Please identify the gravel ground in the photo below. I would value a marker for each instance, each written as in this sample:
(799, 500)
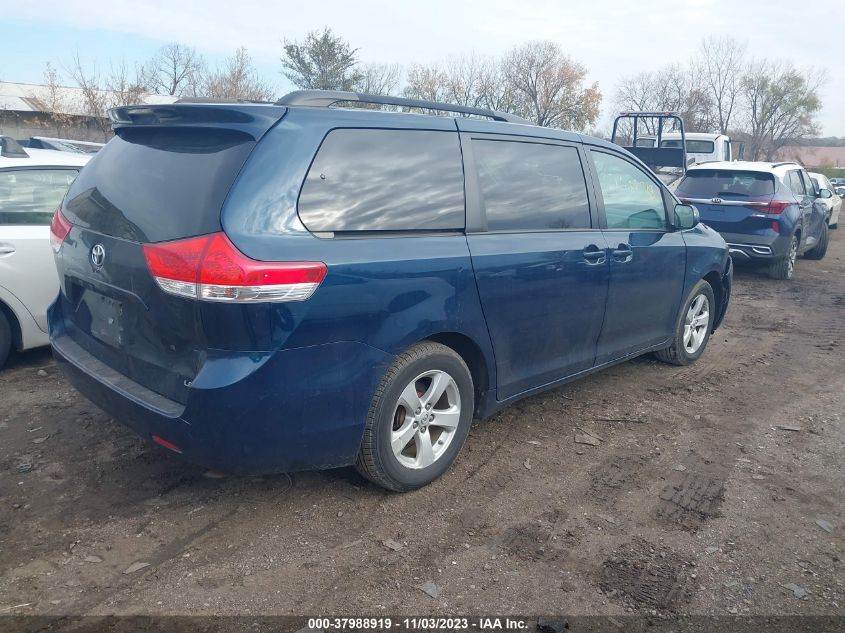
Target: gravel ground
(715, 489)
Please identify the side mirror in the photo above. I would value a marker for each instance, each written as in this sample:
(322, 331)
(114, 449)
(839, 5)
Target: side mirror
(825, 193)
(686, 216)
(740, 153)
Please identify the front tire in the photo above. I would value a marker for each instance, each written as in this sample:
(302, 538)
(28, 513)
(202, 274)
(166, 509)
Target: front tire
(5, 339)
(820, 249)
(419, 418)
(784, 267)
(692, 331)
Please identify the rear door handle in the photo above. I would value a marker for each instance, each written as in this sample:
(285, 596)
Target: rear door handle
(622, 253)
(594, 255)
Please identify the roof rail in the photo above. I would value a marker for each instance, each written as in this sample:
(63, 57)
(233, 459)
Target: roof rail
(786, 162)
(326, 98)
(213, 100)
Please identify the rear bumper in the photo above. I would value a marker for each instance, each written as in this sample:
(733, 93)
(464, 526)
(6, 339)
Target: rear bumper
(297, 409)
(744, 247)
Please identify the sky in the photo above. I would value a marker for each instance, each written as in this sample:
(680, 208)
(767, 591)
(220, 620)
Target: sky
(611, 38)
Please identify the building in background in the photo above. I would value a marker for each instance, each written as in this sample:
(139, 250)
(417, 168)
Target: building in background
(815, 156)
(36, 110)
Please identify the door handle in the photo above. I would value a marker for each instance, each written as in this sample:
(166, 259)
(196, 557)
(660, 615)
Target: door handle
(6, 249)
(594, 255)
(622, 253)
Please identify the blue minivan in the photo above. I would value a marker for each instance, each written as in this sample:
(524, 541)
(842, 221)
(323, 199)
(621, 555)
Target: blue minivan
(273, 287)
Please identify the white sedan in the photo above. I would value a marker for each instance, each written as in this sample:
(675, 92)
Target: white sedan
(833, 202)
(32, 184)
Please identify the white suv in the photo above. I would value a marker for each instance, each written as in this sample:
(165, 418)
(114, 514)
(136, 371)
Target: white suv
(32, 184)
(833, 202)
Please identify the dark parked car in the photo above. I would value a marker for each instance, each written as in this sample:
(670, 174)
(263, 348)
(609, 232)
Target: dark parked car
(767, 212)
(293, 286)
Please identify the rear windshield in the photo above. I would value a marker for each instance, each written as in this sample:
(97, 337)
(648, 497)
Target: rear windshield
(712, 183)
(693, 147)
(157, 184)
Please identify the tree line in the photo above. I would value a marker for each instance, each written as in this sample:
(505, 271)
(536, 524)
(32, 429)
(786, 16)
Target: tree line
(765, 102)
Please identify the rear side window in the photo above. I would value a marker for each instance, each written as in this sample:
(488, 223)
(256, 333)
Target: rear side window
(384, 180)
(795, 183)
(713, 183)
(29, 196)
(632, 200)
(693, 147)
(531, 186)
(808, 184)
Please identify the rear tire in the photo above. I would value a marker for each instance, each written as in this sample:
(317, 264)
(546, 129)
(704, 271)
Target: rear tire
(820, 249)
(418, 420)
(5, 339)
(692, 331)
(784, 268)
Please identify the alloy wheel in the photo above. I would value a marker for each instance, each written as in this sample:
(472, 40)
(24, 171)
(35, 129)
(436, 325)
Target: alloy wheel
(426, 419)
(793, 255)
(696, 323)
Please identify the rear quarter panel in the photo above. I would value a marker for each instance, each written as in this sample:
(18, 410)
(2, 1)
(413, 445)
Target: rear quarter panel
(387, 292)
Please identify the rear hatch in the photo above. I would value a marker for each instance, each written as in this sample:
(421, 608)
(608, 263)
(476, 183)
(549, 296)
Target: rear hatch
(731, 200)
(164, 177)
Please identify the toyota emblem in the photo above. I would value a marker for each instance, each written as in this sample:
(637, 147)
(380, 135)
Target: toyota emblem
(98, 255)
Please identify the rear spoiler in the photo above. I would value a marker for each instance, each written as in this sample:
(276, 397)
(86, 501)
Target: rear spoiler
(251, 119)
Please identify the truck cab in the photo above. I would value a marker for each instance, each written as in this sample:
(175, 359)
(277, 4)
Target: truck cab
(704, 147)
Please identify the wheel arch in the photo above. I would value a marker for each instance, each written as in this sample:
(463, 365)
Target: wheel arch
(470, 351)
(14, 325)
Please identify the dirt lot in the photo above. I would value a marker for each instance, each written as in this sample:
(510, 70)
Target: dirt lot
(696, 500)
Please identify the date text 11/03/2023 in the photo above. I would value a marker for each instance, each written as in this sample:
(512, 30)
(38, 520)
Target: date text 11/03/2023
(491, 623)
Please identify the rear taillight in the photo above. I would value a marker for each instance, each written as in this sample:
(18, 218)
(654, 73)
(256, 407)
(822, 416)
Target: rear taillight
(210, 267)
(769, 207)
(776, 207)
(59, 228)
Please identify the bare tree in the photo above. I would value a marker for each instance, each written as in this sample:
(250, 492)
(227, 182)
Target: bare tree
(720, 64)
(426, 82)
(237, 78)
(468, 80)
(780, 104)
(670, 89)
(379, 79)
(322, 61)
(54, 100)
(95, 100)
(550, 86)
(496, 91)
(175, 69)
(124, 87)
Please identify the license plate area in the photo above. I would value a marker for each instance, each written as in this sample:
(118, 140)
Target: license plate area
(105, 316)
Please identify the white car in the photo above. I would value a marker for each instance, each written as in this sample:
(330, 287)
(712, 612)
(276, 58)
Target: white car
(32, 184)
(833, 201)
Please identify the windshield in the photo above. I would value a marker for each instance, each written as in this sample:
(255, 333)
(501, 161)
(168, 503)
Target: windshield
(713, 183)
